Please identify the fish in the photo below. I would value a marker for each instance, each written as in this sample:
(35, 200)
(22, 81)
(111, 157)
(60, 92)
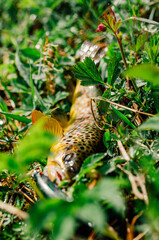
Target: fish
(48, 188)
(80, 137)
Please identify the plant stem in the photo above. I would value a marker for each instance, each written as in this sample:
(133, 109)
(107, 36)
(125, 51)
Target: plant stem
(133, 85)
(122, 52)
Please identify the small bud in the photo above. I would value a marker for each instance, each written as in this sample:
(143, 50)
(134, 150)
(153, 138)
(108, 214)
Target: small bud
(101, 28)
(120, 36)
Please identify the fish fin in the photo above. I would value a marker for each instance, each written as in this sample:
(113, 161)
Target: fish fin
(36, 115)
(50, 124)
(57, 147)
(61, 117)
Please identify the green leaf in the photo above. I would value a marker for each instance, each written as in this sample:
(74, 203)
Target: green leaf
(152, 48)
(25, 72)
(151, 124)
(141, 40)
(117, 25)
(108, 190)
(17, 117)
(147, 72)
(64, 227)
(22, 69)
(93, 212)
(90, 163)
(132, 47)
(7, 162)
(3, 105)
(31, 53)
(35, 145)
(106, 138)
(123, 117)
(155, 95)
(103, 105)
(59, 96)
(44, 212)
(66, 61)
(87, 72)
(113, 70)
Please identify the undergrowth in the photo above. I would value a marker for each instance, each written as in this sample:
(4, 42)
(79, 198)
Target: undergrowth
(115, 194)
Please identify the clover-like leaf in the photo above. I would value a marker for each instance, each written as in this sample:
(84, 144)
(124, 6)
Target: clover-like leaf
(87, 72)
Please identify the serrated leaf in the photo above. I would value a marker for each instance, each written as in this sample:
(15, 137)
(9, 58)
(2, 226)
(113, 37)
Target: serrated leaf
(151, 124)
(87, 72)
(90, 163)
(113, 70)
(17, 117)
(147, 72)
(123, 117)
(141, 40)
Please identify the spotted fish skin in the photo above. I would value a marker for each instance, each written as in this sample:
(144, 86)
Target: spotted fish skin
(81, 139)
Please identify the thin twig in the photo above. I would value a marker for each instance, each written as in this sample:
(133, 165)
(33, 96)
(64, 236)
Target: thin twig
(25, 195)
(142, 20)
(123, 151)
(122, 106)
(111, 232)
(130, 226)
(141, 235)
(94, 116)
(137, 116)
(137, 181)
(121, 148)
(29, 190)
(13, 210)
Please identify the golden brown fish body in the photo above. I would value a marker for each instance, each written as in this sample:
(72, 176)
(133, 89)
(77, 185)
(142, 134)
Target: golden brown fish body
(81, 139)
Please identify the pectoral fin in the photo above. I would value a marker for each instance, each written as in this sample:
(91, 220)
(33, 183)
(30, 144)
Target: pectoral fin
(50, 124)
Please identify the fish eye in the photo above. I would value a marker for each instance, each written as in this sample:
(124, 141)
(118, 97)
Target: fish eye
(69, 158)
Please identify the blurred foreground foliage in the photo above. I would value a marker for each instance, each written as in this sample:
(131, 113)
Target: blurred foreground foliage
(115, 195)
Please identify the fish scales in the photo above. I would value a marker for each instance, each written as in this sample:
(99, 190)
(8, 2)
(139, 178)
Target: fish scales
(81, 139)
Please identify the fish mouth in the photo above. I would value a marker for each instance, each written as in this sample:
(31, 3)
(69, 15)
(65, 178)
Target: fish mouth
(54, 172)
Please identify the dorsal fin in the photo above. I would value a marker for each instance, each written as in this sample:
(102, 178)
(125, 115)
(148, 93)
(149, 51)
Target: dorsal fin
(50, 124)
(61, 117)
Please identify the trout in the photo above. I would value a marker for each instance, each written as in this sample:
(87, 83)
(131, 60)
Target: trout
(81, 137)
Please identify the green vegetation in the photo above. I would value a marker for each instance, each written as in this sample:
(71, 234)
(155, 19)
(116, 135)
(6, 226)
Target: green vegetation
(115, 195)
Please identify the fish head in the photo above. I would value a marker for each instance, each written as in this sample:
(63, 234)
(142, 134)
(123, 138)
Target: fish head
(62, 164)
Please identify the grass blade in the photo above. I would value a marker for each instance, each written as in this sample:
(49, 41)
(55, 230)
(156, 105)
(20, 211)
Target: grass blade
(17, 117)
(125, 119)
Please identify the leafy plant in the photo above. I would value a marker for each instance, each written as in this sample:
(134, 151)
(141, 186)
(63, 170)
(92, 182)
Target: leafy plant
(115, 194)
